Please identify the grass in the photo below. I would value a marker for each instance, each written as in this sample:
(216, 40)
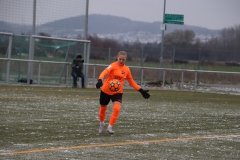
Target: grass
(62, 123)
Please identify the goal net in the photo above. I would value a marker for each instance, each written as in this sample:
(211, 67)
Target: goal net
(55, 18)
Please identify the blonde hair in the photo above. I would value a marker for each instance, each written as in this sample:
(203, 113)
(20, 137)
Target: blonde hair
(123, 53)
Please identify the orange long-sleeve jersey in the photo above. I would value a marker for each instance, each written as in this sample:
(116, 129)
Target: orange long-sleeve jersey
(120, 73)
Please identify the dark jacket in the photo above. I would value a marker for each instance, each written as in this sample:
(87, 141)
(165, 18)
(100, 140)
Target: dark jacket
(77, 66)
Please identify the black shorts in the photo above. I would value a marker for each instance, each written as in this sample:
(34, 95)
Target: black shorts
(105, 98)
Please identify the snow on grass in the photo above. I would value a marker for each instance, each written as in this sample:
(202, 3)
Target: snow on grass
(34, 118)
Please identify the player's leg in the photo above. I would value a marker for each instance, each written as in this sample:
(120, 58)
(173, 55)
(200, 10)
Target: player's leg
(102, 115)
(117, 99)
(104, 100)
(114, 116)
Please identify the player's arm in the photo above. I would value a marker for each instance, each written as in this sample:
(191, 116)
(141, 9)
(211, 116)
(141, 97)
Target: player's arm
(104, 74)
(101, 77)
(130, 79)
(133, 84)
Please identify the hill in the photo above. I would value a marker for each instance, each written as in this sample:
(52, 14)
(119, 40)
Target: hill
(105, 26)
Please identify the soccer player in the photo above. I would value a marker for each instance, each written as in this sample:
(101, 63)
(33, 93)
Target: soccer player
(115, 72)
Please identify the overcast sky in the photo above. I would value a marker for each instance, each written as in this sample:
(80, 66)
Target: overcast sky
(212, 14)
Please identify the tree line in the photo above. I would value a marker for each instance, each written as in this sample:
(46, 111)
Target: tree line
(226, 44)
(224, 47)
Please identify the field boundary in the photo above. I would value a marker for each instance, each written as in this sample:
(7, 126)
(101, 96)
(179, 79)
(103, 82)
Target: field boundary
(122, 144)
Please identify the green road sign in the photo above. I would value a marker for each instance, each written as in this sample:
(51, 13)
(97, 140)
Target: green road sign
(174, 18)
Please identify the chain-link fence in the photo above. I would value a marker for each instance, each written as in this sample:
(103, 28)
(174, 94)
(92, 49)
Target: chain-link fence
(52, 55)
(58, 52)
(56, 18)
(21, 21)
(181, 58)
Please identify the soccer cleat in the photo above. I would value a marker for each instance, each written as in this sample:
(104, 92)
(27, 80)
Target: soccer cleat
(109, 130)
(101, 128)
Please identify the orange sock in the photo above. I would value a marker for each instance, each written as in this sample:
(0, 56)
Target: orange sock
(102, 113)
(115, 114)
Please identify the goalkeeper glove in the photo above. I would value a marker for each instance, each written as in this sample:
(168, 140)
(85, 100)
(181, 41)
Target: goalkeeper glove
(99, 84)
(144, 93)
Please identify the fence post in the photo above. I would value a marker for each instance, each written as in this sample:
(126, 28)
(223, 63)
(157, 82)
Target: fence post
(164, 71)
(94, 72)
(39, 71)
(141, 80)
(173, 59)
(109, 55)
(196, 77)
(199, 64)
(30, 57)
(87, 66)
(182, 80)
(67, 74)
(9, 57)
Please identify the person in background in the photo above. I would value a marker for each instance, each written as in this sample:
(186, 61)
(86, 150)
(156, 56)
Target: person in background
(77, 67)
(112, 89)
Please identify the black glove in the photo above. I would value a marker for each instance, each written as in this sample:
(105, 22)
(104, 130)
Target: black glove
(144, 93)
(99, 84)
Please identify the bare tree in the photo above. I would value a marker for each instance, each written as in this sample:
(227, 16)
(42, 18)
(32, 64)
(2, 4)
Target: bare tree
(180, 38)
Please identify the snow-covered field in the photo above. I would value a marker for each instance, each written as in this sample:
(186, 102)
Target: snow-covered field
(62, 123)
